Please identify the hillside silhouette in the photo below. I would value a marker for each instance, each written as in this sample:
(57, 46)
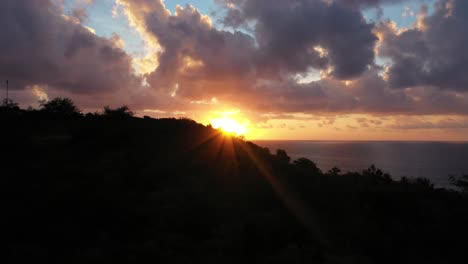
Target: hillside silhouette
(109, 187)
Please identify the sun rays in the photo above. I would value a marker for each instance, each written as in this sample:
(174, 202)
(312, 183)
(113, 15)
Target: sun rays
(230, 123)
(223, 151)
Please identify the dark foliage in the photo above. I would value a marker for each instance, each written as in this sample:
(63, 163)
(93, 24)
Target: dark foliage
(136, 190)
(9, 107)
(118, 113)
(460, 182)
(307, 166)
(282, 156)
(60, 107)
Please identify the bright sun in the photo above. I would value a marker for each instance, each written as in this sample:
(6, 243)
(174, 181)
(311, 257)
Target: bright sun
(230, 125)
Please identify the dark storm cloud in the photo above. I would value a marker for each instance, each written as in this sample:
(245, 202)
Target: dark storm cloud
(39, 45)
(370, 3)
(368, 94)
(434, 54)
(288, 31)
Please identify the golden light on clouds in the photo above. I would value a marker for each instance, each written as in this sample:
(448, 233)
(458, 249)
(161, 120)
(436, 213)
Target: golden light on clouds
(420, 22)
(146, 64)
(321, 51)
(380, 39)
(76, 21)
(311, 75)
(135, 13)
(359, 127)
(90, 29)
(190, 64)
(325, 73)
(117, 41)
(39, 93)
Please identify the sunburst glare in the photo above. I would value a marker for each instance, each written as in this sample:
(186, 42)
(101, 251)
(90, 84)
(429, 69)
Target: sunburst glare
(228, 123)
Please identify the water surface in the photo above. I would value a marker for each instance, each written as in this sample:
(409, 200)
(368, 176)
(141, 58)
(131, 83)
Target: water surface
(433, 160)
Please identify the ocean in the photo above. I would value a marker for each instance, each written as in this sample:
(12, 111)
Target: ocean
(432, 160)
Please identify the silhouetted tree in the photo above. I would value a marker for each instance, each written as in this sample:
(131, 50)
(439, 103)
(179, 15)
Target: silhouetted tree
(9, 103)
(424, 182)
(9, 106)
(61, 107)
(335, 171)
(376, 175)
(372, 171)
(307, 165)
(282, 156)
(118, 113)
(461, 182)
(405, 180)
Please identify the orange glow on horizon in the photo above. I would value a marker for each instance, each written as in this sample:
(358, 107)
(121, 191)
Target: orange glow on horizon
(301, 126)
(230, 122)
(230, 125)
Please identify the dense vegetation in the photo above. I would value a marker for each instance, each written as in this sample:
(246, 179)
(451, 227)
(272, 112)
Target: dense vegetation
(112, 188)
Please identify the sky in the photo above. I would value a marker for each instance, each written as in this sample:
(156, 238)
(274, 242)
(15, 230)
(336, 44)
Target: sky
(295, 69)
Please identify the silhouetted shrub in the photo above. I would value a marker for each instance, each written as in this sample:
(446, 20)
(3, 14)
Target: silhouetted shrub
(404, 180)
(10, 104)
(9, 107)
(60, 107)
(118, 113)
(335, 171)
(282, 156)
(372, 171)
(307, 165)
(376, 175)
(460, 182)
(424, 182)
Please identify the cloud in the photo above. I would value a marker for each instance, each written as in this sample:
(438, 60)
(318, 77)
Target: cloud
(136, 11)
(257, 70)
(368, 94)
(39, 93)
(290, 38)
(117, 41)
(431, 54)
(41, 46)
(291, 35)
(195, 56)
(407, 12)
(80, 14)
(424, 122)
(370, 3)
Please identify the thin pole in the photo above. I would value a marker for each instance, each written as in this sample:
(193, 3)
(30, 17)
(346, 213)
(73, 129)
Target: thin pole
(7, 90)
